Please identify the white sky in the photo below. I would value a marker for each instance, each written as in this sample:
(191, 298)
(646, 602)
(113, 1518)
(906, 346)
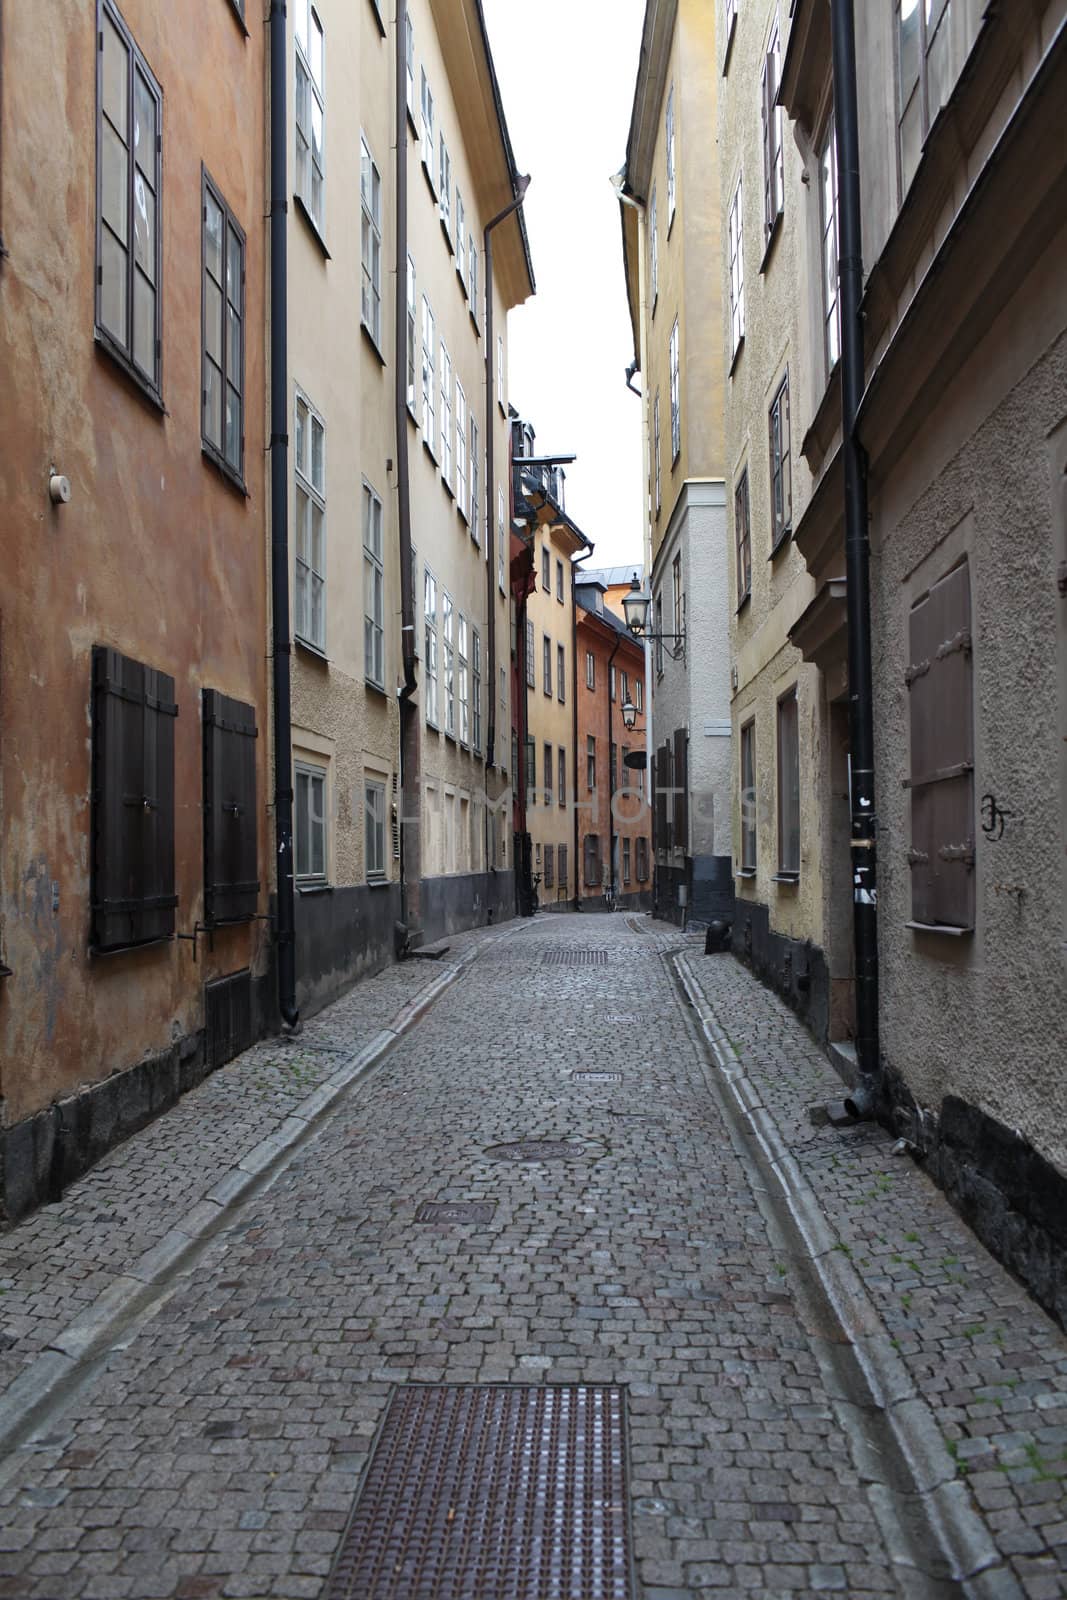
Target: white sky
(567, 81)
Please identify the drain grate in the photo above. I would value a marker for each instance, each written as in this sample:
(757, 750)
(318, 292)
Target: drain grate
(455, 1211)
(500, 1493)
(535, 1150)
(575, 958)
(597, 1077)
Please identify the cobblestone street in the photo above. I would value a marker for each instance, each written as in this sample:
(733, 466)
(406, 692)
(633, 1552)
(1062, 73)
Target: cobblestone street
(830, 1386)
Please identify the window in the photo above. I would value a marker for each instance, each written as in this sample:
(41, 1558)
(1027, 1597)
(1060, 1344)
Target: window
(409, 64)
(373, 589)
(549, 853)
(448, 655)
(310, 113)
(429, 607)
(613, 767)
(444, 186)
(310, 464)
(549, 769)
(476, 688)
(531, 681)
(676, 404)
(546, 568)
(461, 254)
(642, 860)
(679, 597)
(653, 248)
(639, 694)
(591, 848)
(781, 469)
(222, 398)
(446, 416)
(773, 161)
(429, 335)
(129, 258)
(500, 370)
(788, 786)
(737, 271)
(427, 128)
(546, 665)
(559, 581)
(133, 894)
(590, 763)
(828, 224)
(472, 276)
(531, 772)
(310, 824)
(659, 630)
(940, 685)
(670, 158)
(374, 829)
(743, 539)
(562, 865)
(413, 336)
(464, 684)
(626, 861)
(624, 770)
(748, 797)
(611, 683)
(461, 449)
(655, 429)
(503, 689)
(590, 670)
(924, 75)
(476, 527)
(370, 193)
(231, 887)
(561, 674)
(561, 794)
(500, 551)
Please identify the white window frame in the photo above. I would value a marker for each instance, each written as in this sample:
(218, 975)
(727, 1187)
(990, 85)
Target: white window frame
(370, 195)
(409, 62)
(461, 451)
(448, 660)
(676, 398)
(429, 616)
(671, 159)
(374, 829)
(500, 372)
(590, 670)
(461, 254)
(429, 378)
(429, 143)
(462, 646)
(736, 239)
(561, 674)
(476, 689)
(373, 589)
(306, 24)
(475, 481)
(309, 579)
(653, 248)
(303, 849)
(444, 186)
(658, 470)
(472, 279)
(828, 245)
(771, 112)
(500, 537)
(446, 417)
(413, 339)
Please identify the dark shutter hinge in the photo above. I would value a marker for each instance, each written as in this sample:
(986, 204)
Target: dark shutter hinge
(958, 852)
(959, 641)
(916, 671)
(918, 858)
(1061, 578)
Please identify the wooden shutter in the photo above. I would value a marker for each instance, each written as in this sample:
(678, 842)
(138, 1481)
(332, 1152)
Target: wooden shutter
(681, 789)
(563, 865)
(592, 860)
(940, 685)
(663, 783)
(132, 868)
(231, 887)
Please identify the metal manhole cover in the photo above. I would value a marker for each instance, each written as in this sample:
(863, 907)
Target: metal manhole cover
(597, 1077)
(575, 958)
(454, 1211)
(495, 1492)
(536, 1150)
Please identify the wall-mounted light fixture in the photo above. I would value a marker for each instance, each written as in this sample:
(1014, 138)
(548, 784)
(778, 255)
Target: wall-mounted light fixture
(635, 605)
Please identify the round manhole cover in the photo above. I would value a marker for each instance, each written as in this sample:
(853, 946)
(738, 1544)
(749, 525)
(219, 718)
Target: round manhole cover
(536, 1150)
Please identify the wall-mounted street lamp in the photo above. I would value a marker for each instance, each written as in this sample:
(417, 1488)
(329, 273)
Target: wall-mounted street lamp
(636, 604)
(629, 714)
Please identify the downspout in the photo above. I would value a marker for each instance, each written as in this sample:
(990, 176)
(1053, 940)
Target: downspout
(865, 1099)
(611, 775)
(521, 185)
(410, 773)
(279, 526)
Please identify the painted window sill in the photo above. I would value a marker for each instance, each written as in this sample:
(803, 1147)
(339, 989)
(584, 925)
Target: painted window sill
(313, 227)
(940, 927)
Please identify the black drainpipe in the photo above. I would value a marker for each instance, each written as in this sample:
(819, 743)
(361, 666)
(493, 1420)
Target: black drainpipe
(865, 1098)
(410, 786)
(279, 525)
(520, 186)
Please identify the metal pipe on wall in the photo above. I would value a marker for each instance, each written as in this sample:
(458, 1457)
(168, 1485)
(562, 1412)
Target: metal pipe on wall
(279, 525)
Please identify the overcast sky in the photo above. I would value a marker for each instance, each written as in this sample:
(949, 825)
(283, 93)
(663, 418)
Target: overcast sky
(567, 80)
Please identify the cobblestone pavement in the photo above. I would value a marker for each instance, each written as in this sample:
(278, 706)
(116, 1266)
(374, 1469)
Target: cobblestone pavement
(215, 1447)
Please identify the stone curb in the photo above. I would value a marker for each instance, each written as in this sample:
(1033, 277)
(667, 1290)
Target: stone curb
(96, 1328)
(966, 1543)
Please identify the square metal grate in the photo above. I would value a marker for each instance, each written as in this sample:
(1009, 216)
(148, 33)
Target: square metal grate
(455, 1211)
(597, 1077)
(575, 958)
(492, 1492)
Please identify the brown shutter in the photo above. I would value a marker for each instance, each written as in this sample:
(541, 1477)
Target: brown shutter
(681, 788)
(663, 783)
(132, 868)
(940, 684)
(231, 887)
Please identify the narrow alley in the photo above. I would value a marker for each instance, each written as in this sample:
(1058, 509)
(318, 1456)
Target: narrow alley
(728, 1393)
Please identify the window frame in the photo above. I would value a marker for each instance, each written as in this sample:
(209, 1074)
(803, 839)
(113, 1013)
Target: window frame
(772, 131)
(590, 763)
(546, 665)
(370, 232)
(315, 496)
(314, 773)
(373, 872)
(428, 420)
(830, 298)
(548, 774)
(235, 472)
(590, 670)
(475, 479)
(444, 186)
(446, 428)
(431, 707)
(676, 397)
(463, 678)
(122, 350)
(476, 691)
(561, 674)
(559, 582)
(413, 369)
(781, 466)
(671, 158)
(658, 469)
(787, 870)
(428, 139)
(743, 536)
(653, 249)
(317, 92)
(373, 584)
(448, 661)
(561, 762)
(462, 503)
(736, 256)
(747, 769)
